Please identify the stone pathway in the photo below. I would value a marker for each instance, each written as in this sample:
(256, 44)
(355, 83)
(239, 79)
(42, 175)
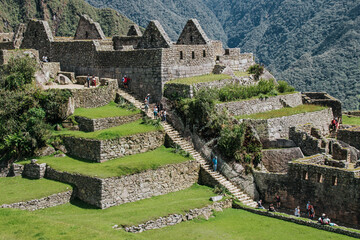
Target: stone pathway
(176, 138)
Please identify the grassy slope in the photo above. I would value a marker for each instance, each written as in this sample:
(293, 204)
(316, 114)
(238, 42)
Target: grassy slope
(109, 110)
(116, 167)
(83, 222)
(111, 133)
(283, 112)
(201, 78)
(350, 120)
(17, 189)
(67, 15)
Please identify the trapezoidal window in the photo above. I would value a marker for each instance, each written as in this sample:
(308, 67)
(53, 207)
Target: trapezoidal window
(305, 175)
(191, 39)
(204, 53)
(319, 178)
(193, 55)
(86, 35)
(334, 181)
(181, 55)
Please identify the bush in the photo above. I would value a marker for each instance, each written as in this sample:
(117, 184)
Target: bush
(284, 87)
(231, 141)
(18, 73)
(257, 70)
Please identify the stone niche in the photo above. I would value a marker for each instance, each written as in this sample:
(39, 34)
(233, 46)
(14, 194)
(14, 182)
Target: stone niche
(108, 192)
(103, 150)
(91, 125)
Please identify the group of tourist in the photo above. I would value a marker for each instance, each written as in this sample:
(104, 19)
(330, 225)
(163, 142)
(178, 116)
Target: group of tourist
(90, 81)
(45, 59)
(158, 111)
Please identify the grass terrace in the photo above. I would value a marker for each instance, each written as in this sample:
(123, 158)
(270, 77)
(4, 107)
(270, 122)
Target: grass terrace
(109, 110)
(117, 167)
(18, 189)
(241, 74)
(81, 221)
(112, 133)
(350, 120)
(287, 111)
(201, 79)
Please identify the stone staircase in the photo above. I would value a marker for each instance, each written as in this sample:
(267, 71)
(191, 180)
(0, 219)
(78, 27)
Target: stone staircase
(176, 138)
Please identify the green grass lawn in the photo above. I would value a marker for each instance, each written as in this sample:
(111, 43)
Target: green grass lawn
(117, 167)
(349, 120)
(241, 74)
(80, 221)
(109, 110)
(18, 189)
(127, 129)
(201, 79)
(287, 111)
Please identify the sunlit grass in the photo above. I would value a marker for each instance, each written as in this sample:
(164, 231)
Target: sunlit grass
(201, 79)
(109, 110)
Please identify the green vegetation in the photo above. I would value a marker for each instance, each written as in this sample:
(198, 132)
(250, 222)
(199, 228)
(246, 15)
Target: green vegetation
(18, 189)
(241, 74)
(256, 70)
(201, 79)
(287, 111)
(117, 167)
(18, 73)
(63, 16)
(82, 221)
(350, 120)
(109, 110)
(111, 133)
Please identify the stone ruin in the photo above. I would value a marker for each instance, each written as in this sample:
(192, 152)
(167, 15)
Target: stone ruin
(149, 59)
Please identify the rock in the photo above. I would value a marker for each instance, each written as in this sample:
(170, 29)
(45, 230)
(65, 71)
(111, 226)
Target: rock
(57, 127)
(216, 198)
(63, 80)
(45, 151)
(33, 161)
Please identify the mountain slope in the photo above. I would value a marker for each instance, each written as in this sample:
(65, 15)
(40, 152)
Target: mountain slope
(172, 14)
(62, 15)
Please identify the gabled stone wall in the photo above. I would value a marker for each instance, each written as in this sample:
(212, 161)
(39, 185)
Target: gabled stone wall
(88, 29)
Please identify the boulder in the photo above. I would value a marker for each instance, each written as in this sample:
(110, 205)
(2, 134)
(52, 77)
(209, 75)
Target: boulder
(44, 151)
(63, 80)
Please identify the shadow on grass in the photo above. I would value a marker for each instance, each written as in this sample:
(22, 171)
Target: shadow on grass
(78, 203)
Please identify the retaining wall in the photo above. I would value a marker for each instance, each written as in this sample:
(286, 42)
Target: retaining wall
(350, 136)
(36, 204)
(91, 125)
(104, 193)
(275, 128)
(103, 150)
(261, 105)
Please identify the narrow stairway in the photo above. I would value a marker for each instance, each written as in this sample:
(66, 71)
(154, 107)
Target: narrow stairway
(176, 137)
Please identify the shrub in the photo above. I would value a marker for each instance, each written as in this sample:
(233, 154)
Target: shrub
(284, 87)
(231, 141)
(257, 70)
(18, 73)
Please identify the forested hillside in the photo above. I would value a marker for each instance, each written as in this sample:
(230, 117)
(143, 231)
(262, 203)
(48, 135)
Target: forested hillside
(313, 44)
(62, 15)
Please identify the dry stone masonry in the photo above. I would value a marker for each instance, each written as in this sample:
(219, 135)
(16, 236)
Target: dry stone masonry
(103, 150)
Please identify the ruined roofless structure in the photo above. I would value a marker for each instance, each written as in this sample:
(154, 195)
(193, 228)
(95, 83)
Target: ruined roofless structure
(149, 59)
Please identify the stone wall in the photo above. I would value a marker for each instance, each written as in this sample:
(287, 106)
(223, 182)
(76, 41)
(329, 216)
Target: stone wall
(174, 219)
(275, 128)
(36, 204)
(350, 136)
(94, 97)
(11, 171)
(88, 29)
(325, 186)
(276, 160)
(6, 55)
(34, 170)
(91, 125)
(103, 150)
(104, 193)
(308, 144)
(261, 105)
(323, 99)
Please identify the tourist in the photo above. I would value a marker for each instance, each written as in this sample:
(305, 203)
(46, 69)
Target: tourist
(259, 204)
(88, 80)
(125, 81)
(155, 112)
(148, 98)
(307, 209)
(146, 105)
(215, 163)
(333, 125)
(278, 201)
(297, 211)
(93, 80)
(272, 208)
(164, 114)
(311, 212)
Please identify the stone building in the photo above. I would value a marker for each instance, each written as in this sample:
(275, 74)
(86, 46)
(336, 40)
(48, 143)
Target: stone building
(149, 59)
